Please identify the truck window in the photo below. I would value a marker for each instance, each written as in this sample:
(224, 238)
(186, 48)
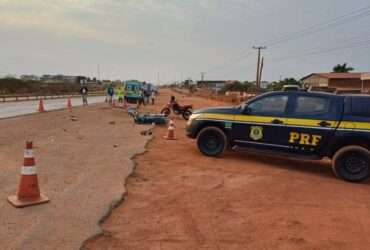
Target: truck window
(311, 105)
(269, 105)
(360, 106)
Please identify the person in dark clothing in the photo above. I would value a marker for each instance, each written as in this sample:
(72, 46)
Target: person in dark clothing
(173, 102)
(110, 94)
(83, 92)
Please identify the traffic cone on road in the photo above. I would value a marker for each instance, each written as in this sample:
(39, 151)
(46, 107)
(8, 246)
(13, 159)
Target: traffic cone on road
(28, 191)
(114, 104)
(171, 131)
(124, 104)
(69, 104)
(41, 105)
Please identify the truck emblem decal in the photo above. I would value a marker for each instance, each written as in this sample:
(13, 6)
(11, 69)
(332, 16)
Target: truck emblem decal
(256, 133)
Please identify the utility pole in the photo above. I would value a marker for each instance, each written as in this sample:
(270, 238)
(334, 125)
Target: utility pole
(202, 74)
(99, 73)
(260, 73)
(258, 64)
(158, 78)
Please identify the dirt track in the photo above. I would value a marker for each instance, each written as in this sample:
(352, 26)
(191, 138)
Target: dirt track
(179, 199)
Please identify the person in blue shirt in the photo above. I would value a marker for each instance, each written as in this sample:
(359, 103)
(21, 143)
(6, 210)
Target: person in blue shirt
(110, 94)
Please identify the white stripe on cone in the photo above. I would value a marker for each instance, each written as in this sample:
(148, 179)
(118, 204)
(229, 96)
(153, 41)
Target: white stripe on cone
(28, 153)
(29, 170)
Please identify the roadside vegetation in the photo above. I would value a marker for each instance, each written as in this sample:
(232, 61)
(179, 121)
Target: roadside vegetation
(9, 86)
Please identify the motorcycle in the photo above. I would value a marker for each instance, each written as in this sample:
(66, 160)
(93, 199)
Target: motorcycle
(177, 109)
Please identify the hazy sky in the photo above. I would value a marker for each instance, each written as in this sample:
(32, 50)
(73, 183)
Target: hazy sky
(181, 38)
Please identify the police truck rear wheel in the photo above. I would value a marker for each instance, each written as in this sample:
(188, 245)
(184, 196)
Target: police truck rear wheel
(212, 141)
(352, 163)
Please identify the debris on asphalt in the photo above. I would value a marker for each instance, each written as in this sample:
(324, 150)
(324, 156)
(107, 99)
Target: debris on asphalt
(74, 118)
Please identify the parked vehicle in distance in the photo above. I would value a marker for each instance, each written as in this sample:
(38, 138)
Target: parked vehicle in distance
(132, 91)
(311, 125)
(291, 87)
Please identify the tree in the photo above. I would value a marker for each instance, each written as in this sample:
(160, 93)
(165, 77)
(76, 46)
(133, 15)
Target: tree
(342, 68)
(239, 87)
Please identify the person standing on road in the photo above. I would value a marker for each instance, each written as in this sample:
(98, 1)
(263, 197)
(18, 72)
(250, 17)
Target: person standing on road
(120, 94)
(152, 97)
(84, 91)
(140, 100)
(110, 93)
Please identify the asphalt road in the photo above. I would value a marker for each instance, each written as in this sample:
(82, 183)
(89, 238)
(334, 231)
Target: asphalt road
(11, 109)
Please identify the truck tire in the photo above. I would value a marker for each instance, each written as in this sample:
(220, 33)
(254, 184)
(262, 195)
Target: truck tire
(352, 163)
(211, 141)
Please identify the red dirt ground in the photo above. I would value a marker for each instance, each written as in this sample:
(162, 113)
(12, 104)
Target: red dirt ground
(180, 199)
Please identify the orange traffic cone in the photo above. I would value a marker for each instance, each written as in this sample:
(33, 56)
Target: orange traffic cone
(171, 131)
(69, 104)
(114, 104)
(28, 191)
(41, 105)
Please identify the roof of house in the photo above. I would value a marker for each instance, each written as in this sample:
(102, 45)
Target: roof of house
(356, 75)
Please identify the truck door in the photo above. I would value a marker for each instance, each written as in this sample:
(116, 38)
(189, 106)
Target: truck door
(262, 123)
(313, 118)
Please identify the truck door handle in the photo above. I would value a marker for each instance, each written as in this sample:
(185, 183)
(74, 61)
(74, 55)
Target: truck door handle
(324, 124)
(277, 121)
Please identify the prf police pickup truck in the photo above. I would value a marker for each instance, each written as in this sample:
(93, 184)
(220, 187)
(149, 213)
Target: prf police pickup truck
(306, 124)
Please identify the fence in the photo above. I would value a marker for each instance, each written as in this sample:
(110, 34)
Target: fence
(231, 97)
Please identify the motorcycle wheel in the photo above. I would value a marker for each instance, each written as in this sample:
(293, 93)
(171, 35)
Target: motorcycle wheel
(166, 112)
(186, 115)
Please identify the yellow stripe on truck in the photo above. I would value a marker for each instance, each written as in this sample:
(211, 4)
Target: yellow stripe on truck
(310, 122)
(258, 119)
(354, 125)
(287, 121)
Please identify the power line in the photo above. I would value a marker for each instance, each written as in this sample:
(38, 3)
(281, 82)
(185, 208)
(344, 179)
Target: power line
(358, 44)
(230, 62)
(351, 16)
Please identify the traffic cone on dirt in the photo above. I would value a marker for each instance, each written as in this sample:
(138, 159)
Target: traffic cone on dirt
(28, 191)
(69, 104)
(41, 105)
(171, 131)
(114, 104)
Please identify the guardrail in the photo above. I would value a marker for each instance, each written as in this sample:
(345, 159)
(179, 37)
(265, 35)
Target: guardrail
(33, 97)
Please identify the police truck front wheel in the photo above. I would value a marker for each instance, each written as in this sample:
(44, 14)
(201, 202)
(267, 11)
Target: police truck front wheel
(352, 163)
(212, 141)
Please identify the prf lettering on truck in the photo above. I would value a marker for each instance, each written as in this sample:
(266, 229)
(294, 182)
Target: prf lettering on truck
(304, 139)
